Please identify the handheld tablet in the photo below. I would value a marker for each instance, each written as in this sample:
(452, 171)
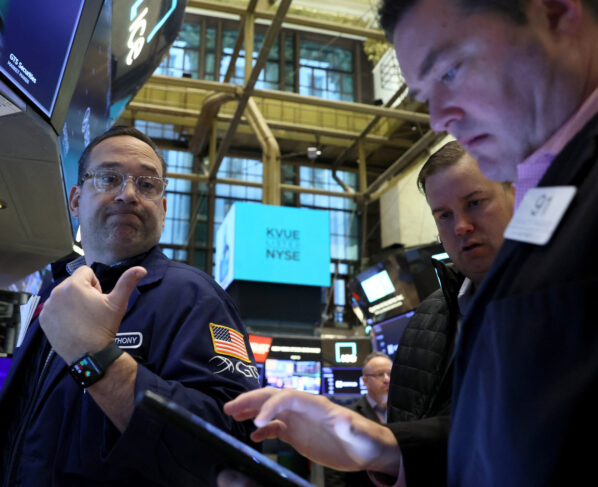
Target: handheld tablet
(237, 455)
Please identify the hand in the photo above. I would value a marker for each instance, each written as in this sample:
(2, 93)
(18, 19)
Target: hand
(230, 478)
(320, 430)
(78, 318)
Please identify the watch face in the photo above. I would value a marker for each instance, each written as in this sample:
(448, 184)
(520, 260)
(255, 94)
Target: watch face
(85, 371)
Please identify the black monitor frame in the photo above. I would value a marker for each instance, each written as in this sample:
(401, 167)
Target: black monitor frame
(85, 27)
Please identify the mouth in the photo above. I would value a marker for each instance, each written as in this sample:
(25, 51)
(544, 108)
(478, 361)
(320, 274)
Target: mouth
(469, 247)
(124, 215)
(473, 142)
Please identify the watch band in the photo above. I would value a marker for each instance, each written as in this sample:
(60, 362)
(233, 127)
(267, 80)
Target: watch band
(91, 367)
(107, 355)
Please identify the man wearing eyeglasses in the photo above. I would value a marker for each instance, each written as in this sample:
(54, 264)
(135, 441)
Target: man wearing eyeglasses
(375, 374)
(121, 320)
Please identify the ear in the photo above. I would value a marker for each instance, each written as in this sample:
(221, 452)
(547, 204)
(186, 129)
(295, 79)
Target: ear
(563, 16)
(74, 200)
(164, 212)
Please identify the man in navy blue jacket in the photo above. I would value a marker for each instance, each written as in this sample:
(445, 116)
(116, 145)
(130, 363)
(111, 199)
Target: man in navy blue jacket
(163, 326)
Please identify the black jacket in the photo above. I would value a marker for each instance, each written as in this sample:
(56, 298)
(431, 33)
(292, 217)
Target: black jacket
(419, 397)
(526, 369)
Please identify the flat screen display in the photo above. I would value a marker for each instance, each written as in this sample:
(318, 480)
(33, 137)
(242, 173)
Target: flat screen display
(301, 375)
(4, 366)
(387, 334)
(342, 381)
(278, 244)
(35, 41)
(378, 286)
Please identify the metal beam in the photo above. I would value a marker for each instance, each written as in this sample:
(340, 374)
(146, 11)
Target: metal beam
(428, 139)
(239, 42)
(248, 89)
(203, 85)
(343, 155)
(293, 19)
(397, 143)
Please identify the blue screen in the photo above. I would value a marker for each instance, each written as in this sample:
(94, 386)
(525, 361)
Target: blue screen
(274, 244)
(4, 366)
(37, 40)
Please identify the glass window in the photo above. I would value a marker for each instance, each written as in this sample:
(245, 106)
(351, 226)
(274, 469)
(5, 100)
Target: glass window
(183, 56)
(323, 70)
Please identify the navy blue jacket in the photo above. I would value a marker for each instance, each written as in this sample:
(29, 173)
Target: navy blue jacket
(66, 440)
(526, 385)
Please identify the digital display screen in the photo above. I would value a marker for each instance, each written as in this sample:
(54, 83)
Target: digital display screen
(299, 375)
(4, 366)
(387, 334)
(35, 42)
(339, 381)
(278, 244)
(261, 372)
(378, 286)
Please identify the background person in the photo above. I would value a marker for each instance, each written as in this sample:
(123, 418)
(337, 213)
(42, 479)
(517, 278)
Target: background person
(376, 378)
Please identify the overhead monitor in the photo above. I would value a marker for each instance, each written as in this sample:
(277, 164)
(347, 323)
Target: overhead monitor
(378, 286)
(304, 375)
(277, 244)
(4, 366)
(42, 47)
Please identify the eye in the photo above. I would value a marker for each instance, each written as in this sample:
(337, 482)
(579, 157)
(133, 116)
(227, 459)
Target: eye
(443, 215)
(450, 74)
(108, 178)
(474, 203)
(147, 183)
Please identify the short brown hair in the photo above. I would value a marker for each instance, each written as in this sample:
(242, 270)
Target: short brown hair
(447, 156)
(116, 131)
(390, 12)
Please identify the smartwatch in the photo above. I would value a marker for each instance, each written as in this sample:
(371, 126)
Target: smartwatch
(91, 367)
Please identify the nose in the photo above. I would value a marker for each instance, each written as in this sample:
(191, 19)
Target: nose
(128, 191)
(463, 225)
(444, 113)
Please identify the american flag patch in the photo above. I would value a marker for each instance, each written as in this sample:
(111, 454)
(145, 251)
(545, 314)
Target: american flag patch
(229, 342)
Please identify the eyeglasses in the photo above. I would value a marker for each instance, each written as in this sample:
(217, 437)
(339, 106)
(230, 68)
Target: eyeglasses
(379, 375)
(105, 181)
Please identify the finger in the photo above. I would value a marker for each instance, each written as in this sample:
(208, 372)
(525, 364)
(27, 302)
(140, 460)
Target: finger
(119, 296)
(274, 429)
(248, 404)
(286, 400)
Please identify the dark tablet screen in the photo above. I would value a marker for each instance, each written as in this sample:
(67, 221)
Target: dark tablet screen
(237, 454)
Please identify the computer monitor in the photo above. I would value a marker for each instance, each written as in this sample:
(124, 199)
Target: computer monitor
(378, 286)
(387, 334)
(304, 375)
(4, 366)
(261, 373)
(342, 381)
(42, 45)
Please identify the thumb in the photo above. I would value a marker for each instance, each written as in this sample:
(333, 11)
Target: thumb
(119, 297)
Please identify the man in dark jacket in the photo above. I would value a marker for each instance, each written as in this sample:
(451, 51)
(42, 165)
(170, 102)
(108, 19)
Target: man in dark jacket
(471, 213)
(165, 326)
(375, 373)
